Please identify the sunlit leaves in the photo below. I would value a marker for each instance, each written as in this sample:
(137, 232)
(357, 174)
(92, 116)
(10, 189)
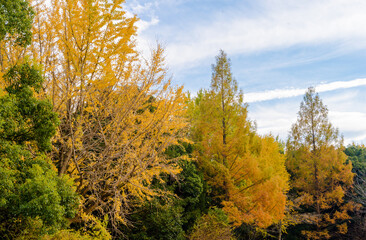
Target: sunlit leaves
(318, 167)
(246, 171)
(118, 113)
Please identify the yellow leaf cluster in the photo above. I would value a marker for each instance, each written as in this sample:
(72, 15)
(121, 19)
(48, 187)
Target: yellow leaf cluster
(247, 171)
(118, 113)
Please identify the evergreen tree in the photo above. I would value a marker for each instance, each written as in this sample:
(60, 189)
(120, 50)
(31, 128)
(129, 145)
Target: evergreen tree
(33, 199)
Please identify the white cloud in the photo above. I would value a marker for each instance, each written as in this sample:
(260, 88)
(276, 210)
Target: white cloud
(272, 94)
(138, 8)
(269, 25)
(286, 93)
(143, 24)
(352, 124)
(276, 120)
(347, 121)
(279, 24)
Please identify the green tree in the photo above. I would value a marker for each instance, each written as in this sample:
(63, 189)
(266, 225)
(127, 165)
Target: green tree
(157, 219)
(320, 174)
(16, 18)
(31, 193)
(357, 155)
(26, 119)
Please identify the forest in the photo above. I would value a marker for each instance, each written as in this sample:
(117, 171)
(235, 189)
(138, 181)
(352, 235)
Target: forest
(97, 143)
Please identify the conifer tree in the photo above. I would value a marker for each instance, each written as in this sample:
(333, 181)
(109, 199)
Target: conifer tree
(317, 164)
(246, 171)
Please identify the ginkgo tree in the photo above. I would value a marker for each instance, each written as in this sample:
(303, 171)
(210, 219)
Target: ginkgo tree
(246, 171)
(320, 173)
(118, 113)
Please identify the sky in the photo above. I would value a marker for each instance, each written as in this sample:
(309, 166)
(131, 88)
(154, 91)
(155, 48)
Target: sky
(278, 48)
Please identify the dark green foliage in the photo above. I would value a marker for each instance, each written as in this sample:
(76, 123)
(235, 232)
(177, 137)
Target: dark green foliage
(16, 17)
(33, 199)
(23, 118)
(171, 216)
(157, 220)
(247, 231)
(192, 193)
(191, 189)
(31, 189)
(294, 232)
(357, 155)
(179, 150)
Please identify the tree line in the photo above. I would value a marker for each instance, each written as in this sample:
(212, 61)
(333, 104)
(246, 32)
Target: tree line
(96, 143)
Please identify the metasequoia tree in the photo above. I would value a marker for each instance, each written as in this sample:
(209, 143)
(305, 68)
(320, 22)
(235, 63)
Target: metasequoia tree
(118, 113)
(320, 175)
(247, 171)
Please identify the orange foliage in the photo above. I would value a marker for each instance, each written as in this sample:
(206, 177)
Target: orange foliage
(318, 167)
(247, 171)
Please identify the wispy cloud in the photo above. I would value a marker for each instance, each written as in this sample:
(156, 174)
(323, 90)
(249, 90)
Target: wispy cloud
(277, 24)
(286, 93)
(278, 35)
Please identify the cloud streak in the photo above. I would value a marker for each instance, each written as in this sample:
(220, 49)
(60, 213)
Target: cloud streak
(277, 25)
(287, 93)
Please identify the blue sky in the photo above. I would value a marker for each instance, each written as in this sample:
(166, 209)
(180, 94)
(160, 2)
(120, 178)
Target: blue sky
(278, 48)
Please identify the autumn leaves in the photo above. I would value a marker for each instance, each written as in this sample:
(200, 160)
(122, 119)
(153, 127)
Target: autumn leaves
(318, 166)
(250, 174)
(246, 170)
(119, 115)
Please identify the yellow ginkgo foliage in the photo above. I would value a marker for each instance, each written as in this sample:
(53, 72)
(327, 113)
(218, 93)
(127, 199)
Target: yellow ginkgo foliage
(118, 113)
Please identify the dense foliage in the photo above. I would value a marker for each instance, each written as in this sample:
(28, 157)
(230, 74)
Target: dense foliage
(16, 18)
(31, 191)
